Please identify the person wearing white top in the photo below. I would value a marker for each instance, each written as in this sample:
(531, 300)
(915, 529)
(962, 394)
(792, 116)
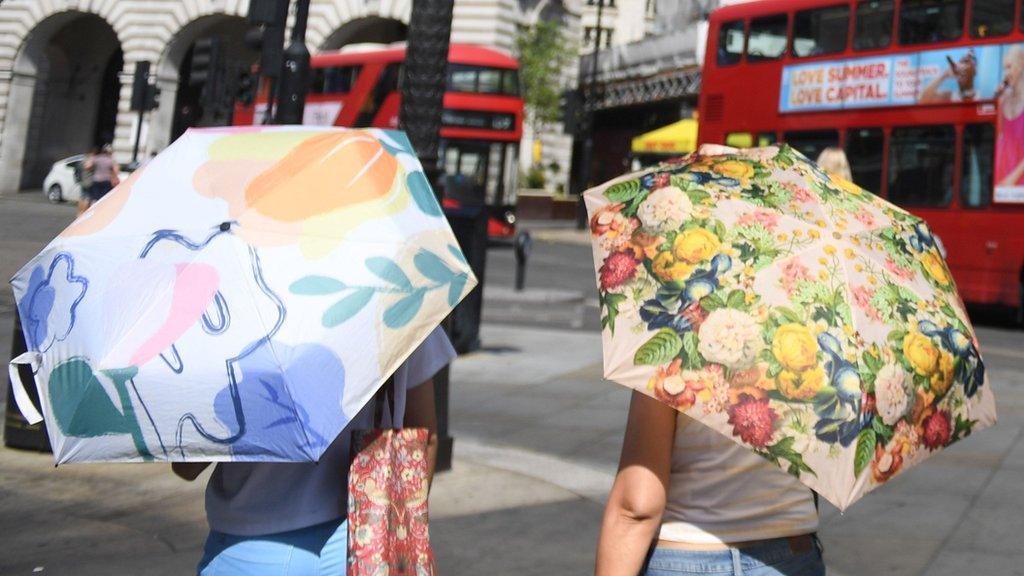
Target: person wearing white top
(687, 500)
(281, 518)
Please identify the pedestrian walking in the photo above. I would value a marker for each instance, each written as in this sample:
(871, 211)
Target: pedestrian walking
(85, 173)
(104, 176)
(737, 303)
(291, 518)
(833, 160)
(688, 500)
(708, 505)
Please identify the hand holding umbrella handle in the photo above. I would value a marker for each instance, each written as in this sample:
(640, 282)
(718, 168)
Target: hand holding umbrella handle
(25, 405)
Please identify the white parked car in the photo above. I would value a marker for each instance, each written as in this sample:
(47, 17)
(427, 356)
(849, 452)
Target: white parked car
(64, 182)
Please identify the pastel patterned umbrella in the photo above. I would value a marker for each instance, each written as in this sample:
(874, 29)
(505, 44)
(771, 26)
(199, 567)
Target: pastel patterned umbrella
(241, 297)
(789, 310)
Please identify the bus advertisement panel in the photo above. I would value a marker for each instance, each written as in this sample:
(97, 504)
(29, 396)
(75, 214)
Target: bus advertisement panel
(978, 73)
(931, 77)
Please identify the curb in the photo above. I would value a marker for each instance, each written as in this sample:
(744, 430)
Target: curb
(531, 295)
(584, 481)
(561, 236)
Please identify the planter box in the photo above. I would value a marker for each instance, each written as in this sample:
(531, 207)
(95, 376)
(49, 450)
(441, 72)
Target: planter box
(564, 208)
(533, 205)
(542, 205)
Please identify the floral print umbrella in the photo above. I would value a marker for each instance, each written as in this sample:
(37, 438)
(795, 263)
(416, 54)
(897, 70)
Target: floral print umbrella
(789, 310)
(240, 298)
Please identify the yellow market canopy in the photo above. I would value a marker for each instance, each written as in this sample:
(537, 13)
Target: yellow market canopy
(676, 138)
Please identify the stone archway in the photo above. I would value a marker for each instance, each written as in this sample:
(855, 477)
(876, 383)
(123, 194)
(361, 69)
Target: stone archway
(179, 100)
(63, 95)
(374, 29)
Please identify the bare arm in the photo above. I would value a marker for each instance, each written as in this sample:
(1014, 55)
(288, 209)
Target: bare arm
(637, 500)
(189, 470)
(931, 94)
(421, 412)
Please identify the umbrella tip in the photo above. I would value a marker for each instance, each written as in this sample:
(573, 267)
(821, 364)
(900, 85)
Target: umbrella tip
(225, 226)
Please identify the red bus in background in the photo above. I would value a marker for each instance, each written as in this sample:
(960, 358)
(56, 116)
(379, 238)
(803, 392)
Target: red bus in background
(925, 96)
(482, 121)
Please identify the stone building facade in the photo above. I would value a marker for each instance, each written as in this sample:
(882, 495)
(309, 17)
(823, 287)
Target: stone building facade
(66, 65)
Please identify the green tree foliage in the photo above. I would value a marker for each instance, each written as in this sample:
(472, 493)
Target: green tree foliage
(544, 52)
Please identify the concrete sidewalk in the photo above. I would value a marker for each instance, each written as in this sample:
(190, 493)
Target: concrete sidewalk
(534, 403)
(537, 439)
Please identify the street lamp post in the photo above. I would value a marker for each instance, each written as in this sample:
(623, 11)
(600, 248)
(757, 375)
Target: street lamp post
(422, 84)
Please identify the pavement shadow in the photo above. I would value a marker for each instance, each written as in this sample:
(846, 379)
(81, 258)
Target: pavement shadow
(539, 540)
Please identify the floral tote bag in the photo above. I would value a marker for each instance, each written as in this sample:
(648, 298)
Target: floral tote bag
(388, 484)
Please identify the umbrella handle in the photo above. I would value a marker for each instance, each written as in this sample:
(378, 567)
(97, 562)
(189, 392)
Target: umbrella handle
(25, 405)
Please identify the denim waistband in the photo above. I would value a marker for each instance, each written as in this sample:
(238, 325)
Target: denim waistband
(767, 553)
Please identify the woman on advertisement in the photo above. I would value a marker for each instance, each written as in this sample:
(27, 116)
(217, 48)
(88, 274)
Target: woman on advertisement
(1009, 164)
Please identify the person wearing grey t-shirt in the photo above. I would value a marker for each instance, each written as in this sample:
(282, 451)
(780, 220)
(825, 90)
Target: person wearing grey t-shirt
(283, 518)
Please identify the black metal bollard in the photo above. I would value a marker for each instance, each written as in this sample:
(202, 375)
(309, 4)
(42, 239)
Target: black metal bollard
(523, 244)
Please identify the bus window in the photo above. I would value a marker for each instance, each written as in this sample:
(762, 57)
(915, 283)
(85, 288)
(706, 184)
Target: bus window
(921, 165)
(820, 31)
(810, 143)
(510, 83)
(489, 81)
(386, 84)
(864, 151)
(873, 26)
(730, 42)
(767, 39)
(461, 78)
(924, 21)
(976, 166)
(335, 80)
(991, 18)
(739, 139)
(482, 80)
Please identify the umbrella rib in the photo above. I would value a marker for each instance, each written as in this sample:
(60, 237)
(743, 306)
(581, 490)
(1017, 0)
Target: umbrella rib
(258, 275)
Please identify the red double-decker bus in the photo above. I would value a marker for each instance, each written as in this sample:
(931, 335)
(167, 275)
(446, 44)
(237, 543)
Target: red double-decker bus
(482, 120)
(925, 96)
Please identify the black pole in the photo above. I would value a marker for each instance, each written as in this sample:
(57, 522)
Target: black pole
(139, 101)
(294, 74)
(589, 102)
(138, 136)
(423, 84)
(268, 116)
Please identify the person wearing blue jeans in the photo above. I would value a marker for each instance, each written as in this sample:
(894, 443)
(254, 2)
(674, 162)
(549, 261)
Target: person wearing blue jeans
(290, 519)
(688, 500)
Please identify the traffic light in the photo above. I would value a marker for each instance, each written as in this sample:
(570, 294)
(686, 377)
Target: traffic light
(267, 38)
(140, 84)
(152, 100)
(206, 61)
(145, 96)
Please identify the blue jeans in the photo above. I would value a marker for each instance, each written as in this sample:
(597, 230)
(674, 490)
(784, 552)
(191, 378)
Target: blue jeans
(772, 558)
(320, 550)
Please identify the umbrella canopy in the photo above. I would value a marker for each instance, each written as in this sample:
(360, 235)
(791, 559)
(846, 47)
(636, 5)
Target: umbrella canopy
(241, 297)
(789, 310)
